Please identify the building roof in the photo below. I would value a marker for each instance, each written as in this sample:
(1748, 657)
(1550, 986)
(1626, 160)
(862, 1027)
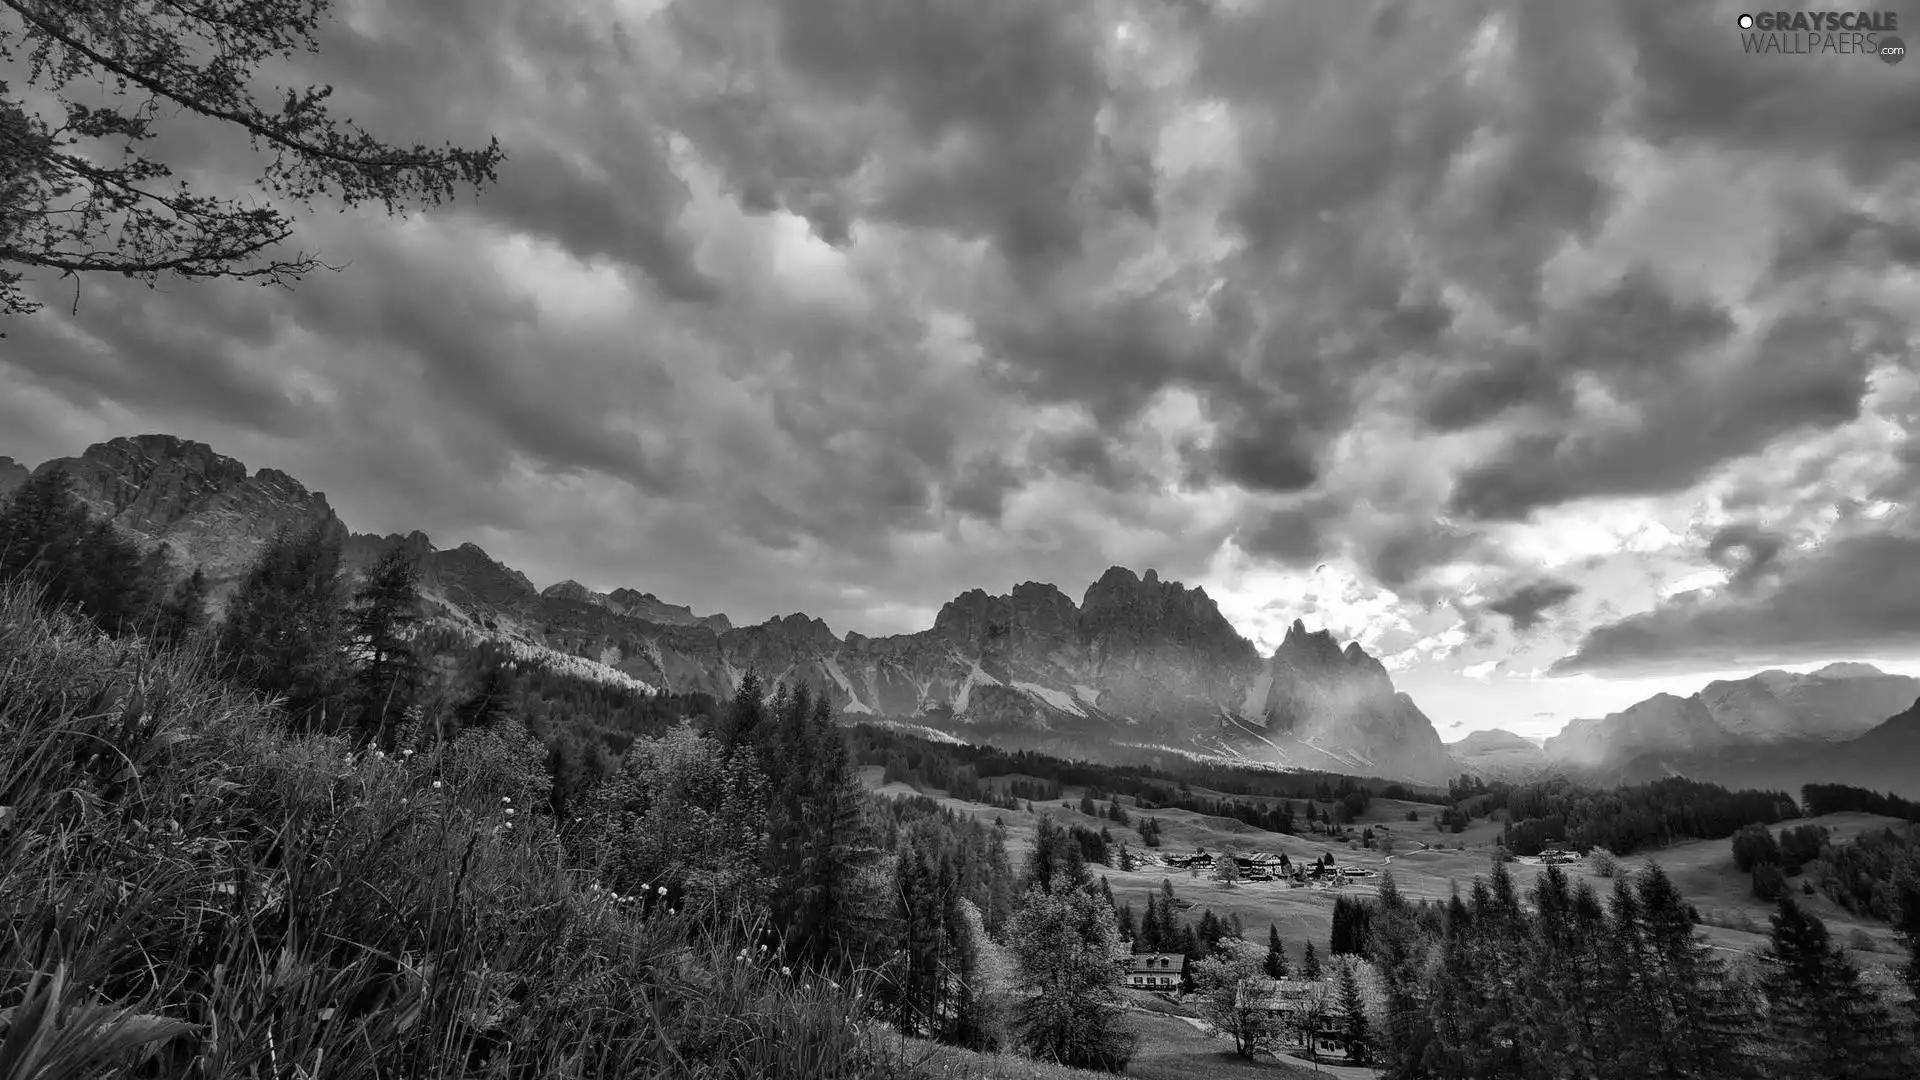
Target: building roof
(1157, 964)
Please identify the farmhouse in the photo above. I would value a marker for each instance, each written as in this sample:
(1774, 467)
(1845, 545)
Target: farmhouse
(1156, 971)
(1300, 1004)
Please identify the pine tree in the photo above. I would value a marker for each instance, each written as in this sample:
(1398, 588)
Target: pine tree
(1001, 882)
(1353, 1011)
(380, 623)
(1700, 1023)
(1821, 1020)
(746, 713)
(1149, 937)
(1276, 964)
(822, 900)
(1310, 964)
(282, 632)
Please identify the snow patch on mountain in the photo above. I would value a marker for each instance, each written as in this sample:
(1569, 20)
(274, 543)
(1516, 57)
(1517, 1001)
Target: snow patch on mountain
(1057, 698)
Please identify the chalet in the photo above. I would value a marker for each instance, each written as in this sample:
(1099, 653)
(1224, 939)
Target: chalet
(1559, 855)
(1156, 971)
(1296, 1003)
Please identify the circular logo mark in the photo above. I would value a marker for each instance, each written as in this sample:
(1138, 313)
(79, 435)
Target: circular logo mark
(1746, 22)
(1892, 50)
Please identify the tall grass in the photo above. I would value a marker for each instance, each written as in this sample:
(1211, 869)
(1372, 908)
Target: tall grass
(189, 890)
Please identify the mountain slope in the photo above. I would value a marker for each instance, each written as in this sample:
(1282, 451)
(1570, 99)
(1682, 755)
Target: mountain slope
(1139, 667)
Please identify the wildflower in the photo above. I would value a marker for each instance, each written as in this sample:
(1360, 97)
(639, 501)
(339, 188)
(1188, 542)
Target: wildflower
(403, 802)
(509, 811)
(406, 753)
(506, 798)
(673, 911)
(436, 785)
(786, 971)
(663, 890)
(763, 947)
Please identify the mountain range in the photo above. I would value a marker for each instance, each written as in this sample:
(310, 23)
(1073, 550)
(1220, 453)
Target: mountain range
(1138, 668)
(1774, 728)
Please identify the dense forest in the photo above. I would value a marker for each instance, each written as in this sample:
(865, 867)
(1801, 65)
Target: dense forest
(1623, 820)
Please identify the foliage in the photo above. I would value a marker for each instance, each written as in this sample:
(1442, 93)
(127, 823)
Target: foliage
(684, 822)
(1840, 799)
(282, 632)
(1065, 939)
(1626, 819)
(80, 193)
(379, 624)
(1231, 988)
(1821, 1020)
(193, 891)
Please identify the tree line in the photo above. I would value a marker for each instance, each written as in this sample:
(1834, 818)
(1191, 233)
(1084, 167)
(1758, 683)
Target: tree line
(1561, 982)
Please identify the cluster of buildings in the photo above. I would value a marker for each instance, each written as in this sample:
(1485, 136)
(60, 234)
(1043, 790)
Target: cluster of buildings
(1305, 1010)
(1266, 866)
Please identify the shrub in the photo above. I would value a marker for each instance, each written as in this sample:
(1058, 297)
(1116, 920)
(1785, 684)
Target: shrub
(1604, 863)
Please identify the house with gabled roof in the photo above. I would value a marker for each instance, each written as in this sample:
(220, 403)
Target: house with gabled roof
(1157, 971)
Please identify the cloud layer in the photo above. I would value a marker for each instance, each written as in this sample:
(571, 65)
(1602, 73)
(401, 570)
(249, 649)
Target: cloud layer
(850, 312)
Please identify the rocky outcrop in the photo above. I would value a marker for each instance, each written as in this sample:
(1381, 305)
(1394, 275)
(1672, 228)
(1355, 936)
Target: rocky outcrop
(204, 508)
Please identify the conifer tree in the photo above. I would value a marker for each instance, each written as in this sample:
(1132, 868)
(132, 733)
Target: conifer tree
(1821, 1021)
(282, 631)
(1353, 1011)
(1001, 881)
(380, 623)
(1276, 962)
(1701, 1023)
(1310, 964)
(746, 712)
(824, 912)
(1150, 927)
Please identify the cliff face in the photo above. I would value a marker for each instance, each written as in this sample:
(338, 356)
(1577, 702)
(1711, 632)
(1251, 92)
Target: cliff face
(1139, 664)
(203, 508)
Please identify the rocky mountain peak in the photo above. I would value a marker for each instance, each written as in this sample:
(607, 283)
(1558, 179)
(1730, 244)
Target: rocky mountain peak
(568, 590)
(202, 507)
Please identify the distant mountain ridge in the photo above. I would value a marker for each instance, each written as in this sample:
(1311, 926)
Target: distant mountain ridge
(1139, 666)
(1835, 703)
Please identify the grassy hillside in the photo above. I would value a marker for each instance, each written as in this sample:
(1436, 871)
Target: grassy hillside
(191, 891)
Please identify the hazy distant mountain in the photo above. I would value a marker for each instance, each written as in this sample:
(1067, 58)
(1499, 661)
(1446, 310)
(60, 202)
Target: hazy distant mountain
(1139, 666)
(1663, 723)
(1836, 703)
(1499, 754)
(1839, 701)
(1885, 758)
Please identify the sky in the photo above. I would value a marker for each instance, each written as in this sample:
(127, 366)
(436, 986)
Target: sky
(1557, 353)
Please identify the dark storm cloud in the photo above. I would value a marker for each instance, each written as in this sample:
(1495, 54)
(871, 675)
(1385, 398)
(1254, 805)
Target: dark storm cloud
(1853, 595)
(1299, 535)
(1526, 606)
(177, 348)
(1808, 371)
(1339, 214)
